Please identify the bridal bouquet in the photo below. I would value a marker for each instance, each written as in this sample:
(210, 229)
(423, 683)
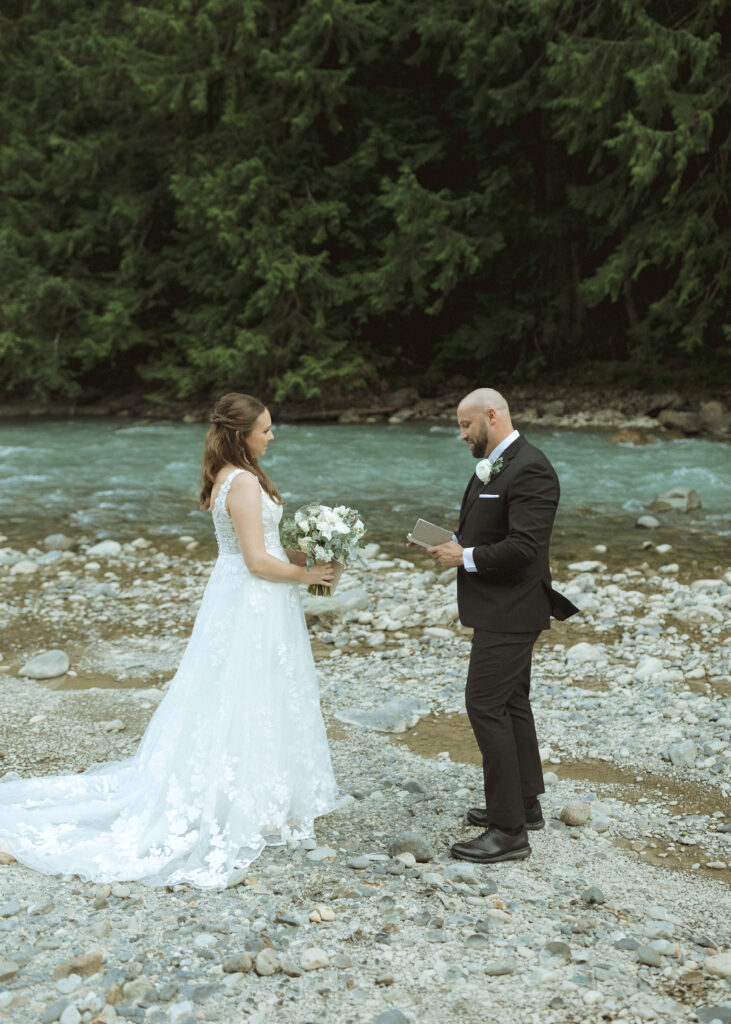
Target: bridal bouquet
(324, 534)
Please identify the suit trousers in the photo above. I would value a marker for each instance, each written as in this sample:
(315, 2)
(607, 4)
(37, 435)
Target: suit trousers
(497, 697)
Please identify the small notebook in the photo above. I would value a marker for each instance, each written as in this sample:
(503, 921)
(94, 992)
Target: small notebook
(427, 535)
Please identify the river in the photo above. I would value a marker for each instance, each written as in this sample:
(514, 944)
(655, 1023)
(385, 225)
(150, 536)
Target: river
(103, 479)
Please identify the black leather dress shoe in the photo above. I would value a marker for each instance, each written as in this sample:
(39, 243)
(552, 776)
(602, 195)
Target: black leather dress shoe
(493, 846)
(533, 817)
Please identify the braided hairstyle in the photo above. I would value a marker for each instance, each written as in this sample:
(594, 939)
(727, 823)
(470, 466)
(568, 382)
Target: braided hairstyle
(232, 419)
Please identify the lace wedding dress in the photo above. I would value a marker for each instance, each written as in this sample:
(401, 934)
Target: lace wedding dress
(234, 759)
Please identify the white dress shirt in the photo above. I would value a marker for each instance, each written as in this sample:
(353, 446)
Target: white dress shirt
(468, 559)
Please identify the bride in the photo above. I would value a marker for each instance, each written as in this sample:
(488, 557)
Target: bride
(235, 757)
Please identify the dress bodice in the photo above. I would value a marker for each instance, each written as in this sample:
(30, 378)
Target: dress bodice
(228, 542)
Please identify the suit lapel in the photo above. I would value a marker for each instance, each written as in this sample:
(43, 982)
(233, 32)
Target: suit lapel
(470, 495)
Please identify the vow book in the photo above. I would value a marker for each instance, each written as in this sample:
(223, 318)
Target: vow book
(427, 535)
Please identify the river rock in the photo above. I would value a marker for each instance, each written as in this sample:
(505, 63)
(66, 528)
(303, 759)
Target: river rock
(105, 549)
(649, 956)
(628, 435)
(581, 653)
(648, 523)
(139, 990)
(325, 610)
(267, 963)
(677, 500)
(684, 755)
(575, 812)
(414, 843)
(238, 963)
(46, 666)
(58, 542)
(395, 715)
(314, 958)
(84, 965)
(719, 964)
(24, 568)
(354, 599)
(687, 422)
(647, 667)
(390, 1017)
(715, 417)
(708, 1014)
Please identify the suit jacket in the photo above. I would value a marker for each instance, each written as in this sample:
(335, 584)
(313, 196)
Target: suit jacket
(508, 522)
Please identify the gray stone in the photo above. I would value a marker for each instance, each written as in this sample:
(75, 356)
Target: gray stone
(54, 1011)
(412, 842)
(58, 542)
(47, 665)
(684, 755)
(496, 968)
(10, 909)
(70, 1016)
(562, 950)
(593, 895)
(649, 956)
(354, 599)
(395, 715)
(105, 549)
(677, 500)
(140, 990)
(706, 1014)
(324, 610)
(648, 523)
(461, 872)
(390, 1017)
(687, 422)
(715, 417)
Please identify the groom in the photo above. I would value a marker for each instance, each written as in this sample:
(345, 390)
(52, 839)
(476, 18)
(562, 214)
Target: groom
(504, 592)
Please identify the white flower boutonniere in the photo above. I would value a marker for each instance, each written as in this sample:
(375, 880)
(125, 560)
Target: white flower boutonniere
(486, 470)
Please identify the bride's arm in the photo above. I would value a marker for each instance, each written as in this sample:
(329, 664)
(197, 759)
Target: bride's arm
(244, 506)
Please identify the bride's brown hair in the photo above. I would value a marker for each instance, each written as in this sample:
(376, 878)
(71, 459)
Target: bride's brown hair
(233, 417)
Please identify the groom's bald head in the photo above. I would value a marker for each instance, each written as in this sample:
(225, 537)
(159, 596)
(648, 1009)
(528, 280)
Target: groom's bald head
(483, 399)
(484, 420)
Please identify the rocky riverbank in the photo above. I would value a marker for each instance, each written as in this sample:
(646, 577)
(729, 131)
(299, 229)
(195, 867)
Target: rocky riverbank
(620, 913)
(670, 412)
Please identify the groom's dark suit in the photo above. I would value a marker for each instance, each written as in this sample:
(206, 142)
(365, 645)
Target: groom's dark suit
(508, 601)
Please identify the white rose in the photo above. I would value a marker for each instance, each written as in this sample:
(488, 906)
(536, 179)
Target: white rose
(484, 470)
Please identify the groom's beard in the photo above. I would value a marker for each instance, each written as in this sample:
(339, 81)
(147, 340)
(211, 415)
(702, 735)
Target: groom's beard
(479, 446)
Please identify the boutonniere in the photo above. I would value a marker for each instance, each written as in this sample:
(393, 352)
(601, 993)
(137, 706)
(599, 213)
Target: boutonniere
(486, 470)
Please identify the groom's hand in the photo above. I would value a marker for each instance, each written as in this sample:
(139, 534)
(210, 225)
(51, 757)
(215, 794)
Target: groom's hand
(448, 555)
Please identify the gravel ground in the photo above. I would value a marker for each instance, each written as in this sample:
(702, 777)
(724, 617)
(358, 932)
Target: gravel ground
(621, 918)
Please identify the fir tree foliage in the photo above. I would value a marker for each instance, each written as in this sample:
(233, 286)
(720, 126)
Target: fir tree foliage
(292, 198)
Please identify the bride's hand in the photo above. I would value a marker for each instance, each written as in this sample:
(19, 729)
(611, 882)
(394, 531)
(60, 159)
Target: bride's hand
(320, 574)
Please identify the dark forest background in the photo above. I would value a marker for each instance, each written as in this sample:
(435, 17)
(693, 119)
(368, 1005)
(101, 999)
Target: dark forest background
(313, 197)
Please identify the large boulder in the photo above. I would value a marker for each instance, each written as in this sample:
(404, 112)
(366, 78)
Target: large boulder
(401, 398)
(676, 500)
(686, 422)
(715, 417)
(655, 404)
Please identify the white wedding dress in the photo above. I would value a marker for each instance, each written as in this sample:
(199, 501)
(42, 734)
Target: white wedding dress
(234, 759)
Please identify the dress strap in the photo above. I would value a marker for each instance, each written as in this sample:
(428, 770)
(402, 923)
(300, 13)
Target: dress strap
(224, 488)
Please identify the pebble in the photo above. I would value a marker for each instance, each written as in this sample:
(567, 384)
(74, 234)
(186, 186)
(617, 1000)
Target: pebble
(593, 895)
(576, 812)
(390, 1017)
(649, 956)
(413, 843)
(314, 959)
(719, 964)
(70, 1016)
(267, 963)
(69, 983)
(238, 963)
(497, 968)
(84, 965)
